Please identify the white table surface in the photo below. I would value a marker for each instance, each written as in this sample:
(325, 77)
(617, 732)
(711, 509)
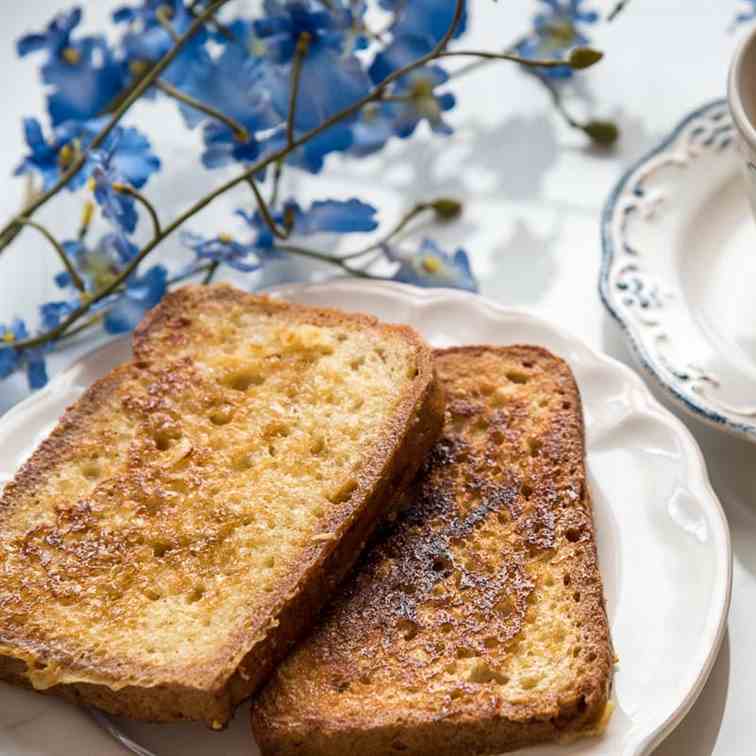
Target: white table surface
(533, 193)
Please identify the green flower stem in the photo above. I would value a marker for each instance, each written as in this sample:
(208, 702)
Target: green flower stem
(88, 323)
(421, 207)
(194, 7)
(618, 8)
(326, 258)
(265, 212)
(10, 230)
(556, 98)
(212, 269)
(530, 62)
(64, 258)
(277, 173)
(239, 131)
(303, 45)
(148, 206)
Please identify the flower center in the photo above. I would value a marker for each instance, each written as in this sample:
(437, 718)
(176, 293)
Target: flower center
(8, 337)
(66, 155)
(70, 55)
(225, 238)
(560, 33)
(431, 265)
(422, 88)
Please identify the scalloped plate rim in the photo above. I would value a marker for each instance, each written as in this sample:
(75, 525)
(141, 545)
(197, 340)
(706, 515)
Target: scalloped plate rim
(697, 481)
(705, 412)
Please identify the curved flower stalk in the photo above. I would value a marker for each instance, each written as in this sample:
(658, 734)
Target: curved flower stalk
(277, 92)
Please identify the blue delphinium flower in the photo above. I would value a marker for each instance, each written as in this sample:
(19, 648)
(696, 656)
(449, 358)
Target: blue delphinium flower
(11, 359)
(55, 39)
(240, 89)
(555, 30)
(99, 265)
(131, 152)
(422, 101)
(48, 159)
(331, 78)
(117, 206)
(84, 73)
(142, 294)
(417, 27)
(223, 249)
(431, 266)
(147, 40)
(286, 20)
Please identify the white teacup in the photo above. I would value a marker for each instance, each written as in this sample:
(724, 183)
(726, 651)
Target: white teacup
(741, 97)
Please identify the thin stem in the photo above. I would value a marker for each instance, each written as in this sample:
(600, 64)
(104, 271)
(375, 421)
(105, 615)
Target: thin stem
(400, 226)
(618, 8)
(483, 55)
(303, 44)
(64, 258)
(326, 258)
(277, 173)
(148, 206)
(211, 271)
(265, 212)
(7, 232)
(556, 98)
(239, 131)
(88, 323)
(222, 28)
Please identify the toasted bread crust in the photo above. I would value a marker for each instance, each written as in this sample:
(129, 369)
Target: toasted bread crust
(416, 654)
(209, 688)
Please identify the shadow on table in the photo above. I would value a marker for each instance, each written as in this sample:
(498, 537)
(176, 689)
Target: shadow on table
(523, 268)
(697, 733)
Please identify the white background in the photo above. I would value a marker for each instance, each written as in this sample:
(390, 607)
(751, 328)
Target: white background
(533, 193)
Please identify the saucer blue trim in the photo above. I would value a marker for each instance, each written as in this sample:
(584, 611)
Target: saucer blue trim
(702, 411)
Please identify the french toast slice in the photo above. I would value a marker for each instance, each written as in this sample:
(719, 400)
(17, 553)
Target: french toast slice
(187, 518)
(474, 624)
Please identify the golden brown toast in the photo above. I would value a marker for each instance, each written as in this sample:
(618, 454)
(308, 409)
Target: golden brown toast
(476, 623)
(187, 518)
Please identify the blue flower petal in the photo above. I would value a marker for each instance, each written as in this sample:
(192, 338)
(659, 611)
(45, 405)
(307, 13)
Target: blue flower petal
(142, 294)
(36, 370)
(336, 216)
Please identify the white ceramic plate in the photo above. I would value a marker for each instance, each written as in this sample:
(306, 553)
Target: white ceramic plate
(663, 539)
(679, 270)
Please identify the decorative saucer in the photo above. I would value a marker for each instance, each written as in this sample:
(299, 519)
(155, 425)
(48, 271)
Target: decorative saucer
(679, 270)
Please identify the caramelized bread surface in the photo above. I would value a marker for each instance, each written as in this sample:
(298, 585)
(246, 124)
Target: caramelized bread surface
(186, 519)
(476, 623)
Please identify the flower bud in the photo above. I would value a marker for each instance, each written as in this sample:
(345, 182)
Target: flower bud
(604, 133)
(447, 208)
(584, 57)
